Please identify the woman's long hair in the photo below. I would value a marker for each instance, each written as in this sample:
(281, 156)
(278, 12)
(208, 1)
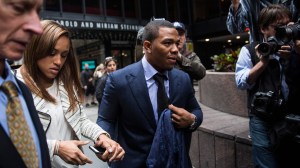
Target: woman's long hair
(40, 47)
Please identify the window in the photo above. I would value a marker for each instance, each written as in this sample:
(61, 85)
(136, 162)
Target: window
(114, 8)
(52, 5)
(130, 8)
(146, 9)
(92, 7)
(160, 9)
(74, 6)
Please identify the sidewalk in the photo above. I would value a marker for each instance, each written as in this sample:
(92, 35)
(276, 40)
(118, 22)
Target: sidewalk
(92, 113)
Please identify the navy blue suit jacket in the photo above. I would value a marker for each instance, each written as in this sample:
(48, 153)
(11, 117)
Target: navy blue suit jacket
(9, 156)
(126, 111)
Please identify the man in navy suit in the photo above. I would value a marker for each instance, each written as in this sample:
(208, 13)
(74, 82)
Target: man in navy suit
(128, 110)
(19, 21)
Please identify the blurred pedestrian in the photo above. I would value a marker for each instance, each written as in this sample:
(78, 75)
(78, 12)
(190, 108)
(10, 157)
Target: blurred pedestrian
(98, 73)
(87, 81)
(110, 65)
(50, 70)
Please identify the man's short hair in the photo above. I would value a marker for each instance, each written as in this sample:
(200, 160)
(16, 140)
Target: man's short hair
(150, 31)
(273, 13)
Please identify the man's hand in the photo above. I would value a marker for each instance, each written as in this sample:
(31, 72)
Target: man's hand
(285, 51)
(180, 117)
(114, 152)
(70, 153)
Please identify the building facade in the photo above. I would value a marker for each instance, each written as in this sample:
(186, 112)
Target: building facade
(102, 28)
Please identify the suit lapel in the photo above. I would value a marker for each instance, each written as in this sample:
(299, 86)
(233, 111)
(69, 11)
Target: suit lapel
(138, 86)
(9, 156)
(174, 85)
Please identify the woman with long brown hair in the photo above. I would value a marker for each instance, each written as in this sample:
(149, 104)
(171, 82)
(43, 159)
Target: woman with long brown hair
(51, 72)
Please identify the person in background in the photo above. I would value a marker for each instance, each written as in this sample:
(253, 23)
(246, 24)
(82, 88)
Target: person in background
(87, 82)
(110, 65)
(188, 61)
(98, 73)
(243, 15)
(19, 21)
(138, 48)
(49, 70)
(130, 107)
(264, 76)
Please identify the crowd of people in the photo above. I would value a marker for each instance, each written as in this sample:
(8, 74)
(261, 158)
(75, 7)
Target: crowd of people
(43, 102)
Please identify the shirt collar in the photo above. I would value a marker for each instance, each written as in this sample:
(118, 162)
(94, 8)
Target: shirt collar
(149, 70)
(9, 76)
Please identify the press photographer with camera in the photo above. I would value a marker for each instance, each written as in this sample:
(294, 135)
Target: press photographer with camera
(263, 75)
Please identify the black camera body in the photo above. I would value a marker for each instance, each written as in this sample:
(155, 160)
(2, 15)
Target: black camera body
(265, 104)
(270, 47)
(284, 35)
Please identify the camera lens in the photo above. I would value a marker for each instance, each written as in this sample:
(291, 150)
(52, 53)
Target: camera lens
(264, 48)
(284, 34)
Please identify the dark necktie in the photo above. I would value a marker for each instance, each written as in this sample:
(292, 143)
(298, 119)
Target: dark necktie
(18, 128)
(162, 98)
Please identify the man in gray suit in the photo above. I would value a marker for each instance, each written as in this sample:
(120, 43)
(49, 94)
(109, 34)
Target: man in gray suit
(129, 107)
(19, 21)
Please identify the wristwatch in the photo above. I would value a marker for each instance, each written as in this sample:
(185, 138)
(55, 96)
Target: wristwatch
(193, 125)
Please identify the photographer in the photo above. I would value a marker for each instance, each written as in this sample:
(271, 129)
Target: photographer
(264, 77)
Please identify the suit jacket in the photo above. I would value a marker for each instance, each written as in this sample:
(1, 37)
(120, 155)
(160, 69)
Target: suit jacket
(126, 104)
(9, 156)
(168, 149)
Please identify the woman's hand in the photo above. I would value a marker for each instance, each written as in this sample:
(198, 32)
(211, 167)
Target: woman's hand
(69, 151)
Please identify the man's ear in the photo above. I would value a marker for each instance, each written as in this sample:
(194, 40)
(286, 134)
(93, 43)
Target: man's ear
(147, 46)
(263, 29)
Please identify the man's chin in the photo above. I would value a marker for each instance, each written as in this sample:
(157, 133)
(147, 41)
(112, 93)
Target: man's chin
(169, 67)
(14, 56)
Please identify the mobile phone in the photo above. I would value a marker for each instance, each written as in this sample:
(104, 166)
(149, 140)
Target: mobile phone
(97, 150)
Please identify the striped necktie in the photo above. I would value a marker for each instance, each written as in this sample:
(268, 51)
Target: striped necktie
(18, 128)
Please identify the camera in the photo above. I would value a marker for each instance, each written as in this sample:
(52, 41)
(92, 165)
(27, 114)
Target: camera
(270, 47)
(284, 35)
(265, 104)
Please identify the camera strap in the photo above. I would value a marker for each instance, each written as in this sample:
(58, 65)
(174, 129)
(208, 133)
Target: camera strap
(277, 87)
(251, 49)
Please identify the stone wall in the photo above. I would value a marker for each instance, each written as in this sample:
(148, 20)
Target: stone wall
(222, 140)
(218, 91)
